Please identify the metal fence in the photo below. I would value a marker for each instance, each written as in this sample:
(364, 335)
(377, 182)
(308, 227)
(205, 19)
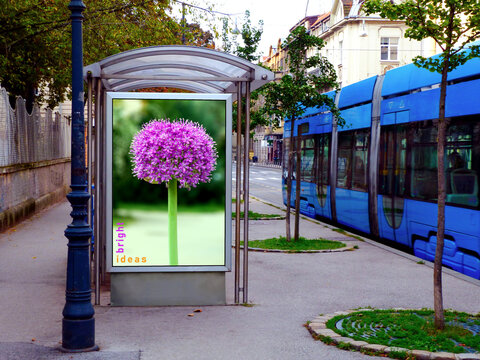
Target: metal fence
(31, 138)
(34, 153)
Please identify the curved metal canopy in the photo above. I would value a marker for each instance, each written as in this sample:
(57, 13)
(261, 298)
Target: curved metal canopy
(190, 68)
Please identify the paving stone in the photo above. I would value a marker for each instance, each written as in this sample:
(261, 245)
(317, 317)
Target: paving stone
(342, 339)
(327, 332)
(467, 356)
(388, 350)
(421, 354)
(374, 347)
(442, 356)
(357, 345)
(322, 318)
(336, 313)
(318, 322)
(317, 326)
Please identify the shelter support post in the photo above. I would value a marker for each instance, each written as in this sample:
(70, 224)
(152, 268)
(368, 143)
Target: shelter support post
(246, 191)
(89, 166)
(96, 221)
(89, 148)
(102, 138)
(237, 193)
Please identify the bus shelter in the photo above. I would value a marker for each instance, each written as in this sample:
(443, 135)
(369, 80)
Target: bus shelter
(197, 70)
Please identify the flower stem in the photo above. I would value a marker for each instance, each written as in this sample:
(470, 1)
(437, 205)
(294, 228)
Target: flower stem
(172, 221)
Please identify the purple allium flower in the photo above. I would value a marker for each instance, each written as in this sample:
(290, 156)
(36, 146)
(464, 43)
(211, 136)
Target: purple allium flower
(180, 149)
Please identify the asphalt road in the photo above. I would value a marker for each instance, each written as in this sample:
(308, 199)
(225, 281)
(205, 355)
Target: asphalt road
(265, 184)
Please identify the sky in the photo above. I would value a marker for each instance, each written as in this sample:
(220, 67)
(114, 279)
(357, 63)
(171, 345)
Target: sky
(278, 15)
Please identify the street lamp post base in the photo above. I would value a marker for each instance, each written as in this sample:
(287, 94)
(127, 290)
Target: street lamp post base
(78, 336)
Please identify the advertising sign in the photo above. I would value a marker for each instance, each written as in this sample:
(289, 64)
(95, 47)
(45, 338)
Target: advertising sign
(168, 182)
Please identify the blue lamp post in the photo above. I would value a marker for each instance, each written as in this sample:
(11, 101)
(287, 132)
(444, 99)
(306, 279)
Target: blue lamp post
(78, 327)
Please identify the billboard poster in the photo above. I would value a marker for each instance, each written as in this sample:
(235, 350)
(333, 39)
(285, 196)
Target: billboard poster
(168, 182)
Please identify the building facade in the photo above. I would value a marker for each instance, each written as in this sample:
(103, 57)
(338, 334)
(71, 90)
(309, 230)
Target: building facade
(361, 46)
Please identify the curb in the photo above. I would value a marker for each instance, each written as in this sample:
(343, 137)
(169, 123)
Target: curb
(343, 249)
(319, 330)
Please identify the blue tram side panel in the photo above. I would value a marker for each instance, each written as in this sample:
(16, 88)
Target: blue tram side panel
(314, 122)
(403, 104)
(355, 106)
(406, 212)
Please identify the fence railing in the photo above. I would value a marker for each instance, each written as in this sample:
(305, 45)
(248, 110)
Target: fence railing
(34, 156)
(26, 138)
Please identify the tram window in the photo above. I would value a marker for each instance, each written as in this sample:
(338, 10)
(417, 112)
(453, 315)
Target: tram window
(424, 162)
(359, 169)
(393, 157)
(344, 160)
(323, 142)
(308, 157)
(461, 162)
(323, 165)
(286, 150)
(387, 151)
(352, 160)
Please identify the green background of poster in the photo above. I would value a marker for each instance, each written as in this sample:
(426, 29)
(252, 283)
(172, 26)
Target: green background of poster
(141, 208)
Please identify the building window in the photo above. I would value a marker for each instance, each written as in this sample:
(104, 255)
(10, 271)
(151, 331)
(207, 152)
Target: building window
(340, 44)
(324, 27)
(389, 48)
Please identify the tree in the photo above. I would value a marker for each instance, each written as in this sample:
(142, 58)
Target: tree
(35, 40)
(288, 98)
(251, 36)
(452, 24)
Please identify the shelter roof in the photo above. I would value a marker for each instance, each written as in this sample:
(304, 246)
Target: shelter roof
(191, 68)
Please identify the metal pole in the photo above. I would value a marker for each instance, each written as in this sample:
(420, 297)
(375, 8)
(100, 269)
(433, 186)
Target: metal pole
(103, 192)
(238, 195)
(246, 192)
(78, 326)
(89, 149)
(89, 166)
(97, 197)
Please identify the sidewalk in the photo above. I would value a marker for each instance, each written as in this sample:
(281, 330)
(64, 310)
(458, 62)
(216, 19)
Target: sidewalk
(286, 290)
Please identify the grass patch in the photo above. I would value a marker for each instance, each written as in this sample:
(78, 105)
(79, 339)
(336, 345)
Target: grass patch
(410, 329)
(235, 200)
(300, 245)
(256, 216)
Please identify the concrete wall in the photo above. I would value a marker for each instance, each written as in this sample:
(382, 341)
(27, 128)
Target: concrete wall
(30, 188)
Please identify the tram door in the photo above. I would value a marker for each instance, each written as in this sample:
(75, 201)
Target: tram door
(392, 175)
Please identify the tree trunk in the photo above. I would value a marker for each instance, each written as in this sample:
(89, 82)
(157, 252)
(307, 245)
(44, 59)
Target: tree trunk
(297, 188)
(288, 235)
(437, 267)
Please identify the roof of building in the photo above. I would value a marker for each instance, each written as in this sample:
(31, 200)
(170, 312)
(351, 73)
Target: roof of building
(320, 20)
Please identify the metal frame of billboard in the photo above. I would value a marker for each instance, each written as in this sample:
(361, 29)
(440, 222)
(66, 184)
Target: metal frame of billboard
(227, 98)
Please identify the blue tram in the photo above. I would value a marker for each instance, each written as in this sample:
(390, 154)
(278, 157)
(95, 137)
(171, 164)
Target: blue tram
(378, 173)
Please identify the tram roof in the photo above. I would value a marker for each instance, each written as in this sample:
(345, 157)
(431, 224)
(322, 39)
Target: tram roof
(357, 93)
